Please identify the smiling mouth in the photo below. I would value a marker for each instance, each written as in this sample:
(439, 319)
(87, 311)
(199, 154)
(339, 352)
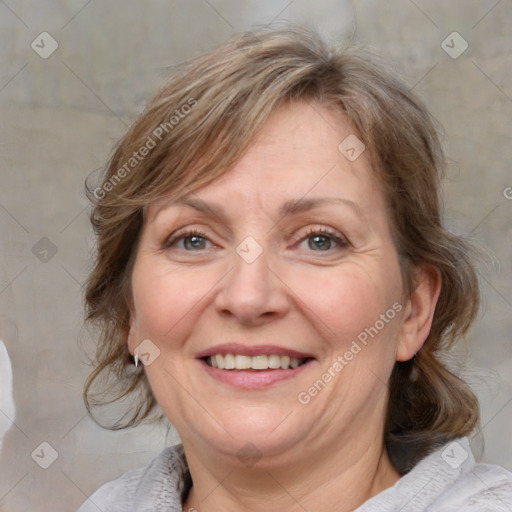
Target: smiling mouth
(259, 362)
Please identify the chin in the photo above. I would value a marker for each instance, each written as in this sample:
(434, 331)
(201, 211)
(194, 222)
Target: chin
(257, 433)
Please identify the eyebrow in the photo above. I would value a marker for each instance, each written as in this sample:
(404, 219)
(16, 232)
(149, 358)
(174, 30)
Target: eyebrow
(296, 206)
(288, 208)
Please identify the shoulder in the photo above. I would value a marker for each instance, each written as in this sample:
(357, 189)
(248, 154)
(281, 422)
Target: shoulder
(480, 488)
(447, 480)
(459, 483)
(156, 487)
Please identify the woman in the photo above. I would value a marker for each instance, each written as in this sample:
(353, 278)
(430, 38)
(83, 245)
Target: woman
(273, 273)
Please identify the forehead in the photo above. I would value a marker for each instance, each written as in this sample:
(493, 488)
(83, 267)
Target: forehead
(300, 151)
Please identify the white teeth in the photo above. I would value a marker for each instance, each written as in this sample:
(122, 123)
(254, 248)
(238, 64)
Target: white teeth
(243, 362)
(260, 362)
(274, 362)
(229, 362)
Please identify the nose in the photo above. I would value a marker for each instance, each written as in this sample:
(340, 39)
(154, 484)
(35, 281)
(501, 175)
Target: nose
(252, 292)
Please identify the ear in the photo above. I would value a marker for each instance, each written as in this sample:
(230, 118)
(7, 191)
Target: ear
(132, 338)
(419, 312)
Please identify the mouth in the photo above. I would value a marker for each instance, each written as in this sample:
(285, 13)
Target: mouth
(262, 362)
(248, 366)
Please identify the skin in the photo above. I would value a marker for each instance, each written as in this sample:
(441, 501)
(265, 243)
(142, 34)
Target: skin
(312, 295)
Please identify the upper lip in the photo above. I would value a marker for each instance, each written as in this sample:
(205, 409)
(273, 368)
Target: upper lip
(252, 350)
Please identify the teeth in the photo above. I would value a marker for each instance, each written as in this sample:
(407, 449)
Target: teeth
(261, 362)
(229, 362)
(274, 362)
(294, 362)
(243, 362)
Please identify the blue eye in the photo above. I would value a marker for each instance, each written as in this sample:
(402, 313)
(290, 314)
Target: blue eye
(319, 242)
(192, 240)
(322, 240)
(196, 242)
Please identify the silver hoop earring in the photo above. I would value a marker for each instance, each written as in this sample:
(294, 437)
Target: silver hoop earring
(136, 360)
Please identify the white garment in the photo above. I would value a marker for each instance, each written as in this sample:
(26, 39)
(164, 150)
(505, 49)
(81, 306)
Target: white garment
(7, 409)
(447, 480)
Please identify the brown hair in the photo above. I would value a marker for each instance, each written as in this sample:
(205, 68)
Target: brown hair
(201, 123)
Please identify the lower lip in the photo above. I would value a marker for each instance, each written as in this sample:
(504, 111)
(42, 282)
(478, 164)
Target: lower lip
(254, 379)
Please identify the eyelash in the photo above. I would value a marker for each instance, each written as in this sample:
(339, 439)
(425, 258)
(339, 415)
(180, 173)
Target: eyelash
(341, 241)
(333, 235)
(182, 235)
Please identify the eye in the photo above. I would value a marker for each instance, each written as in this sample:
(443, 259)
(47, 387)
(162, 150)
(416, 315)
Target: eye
(318, 239)
(323, 240)
(191, 240)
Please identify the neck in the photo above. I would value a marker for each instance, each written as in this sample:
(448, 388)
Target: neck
(341, 478)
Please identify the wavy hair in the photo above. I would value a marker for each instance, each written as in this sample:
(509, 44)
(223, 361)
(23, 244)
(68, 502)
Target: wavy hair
(201, 122)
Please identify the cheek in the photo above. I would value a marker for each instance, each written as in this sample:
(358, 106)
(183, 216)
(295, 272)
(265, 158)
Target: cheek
(167, 302)
(344, 303)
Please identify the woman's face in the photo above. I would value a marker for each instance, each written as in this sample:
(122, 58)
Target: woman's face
(286, 259)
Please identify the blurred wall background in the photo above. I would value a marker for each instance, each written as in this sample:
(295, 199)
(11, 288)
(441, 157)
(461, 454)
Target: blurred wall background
(62, 109)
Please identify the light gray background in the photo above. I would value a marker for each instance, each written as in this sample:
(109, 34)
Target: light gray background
(60, 117)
